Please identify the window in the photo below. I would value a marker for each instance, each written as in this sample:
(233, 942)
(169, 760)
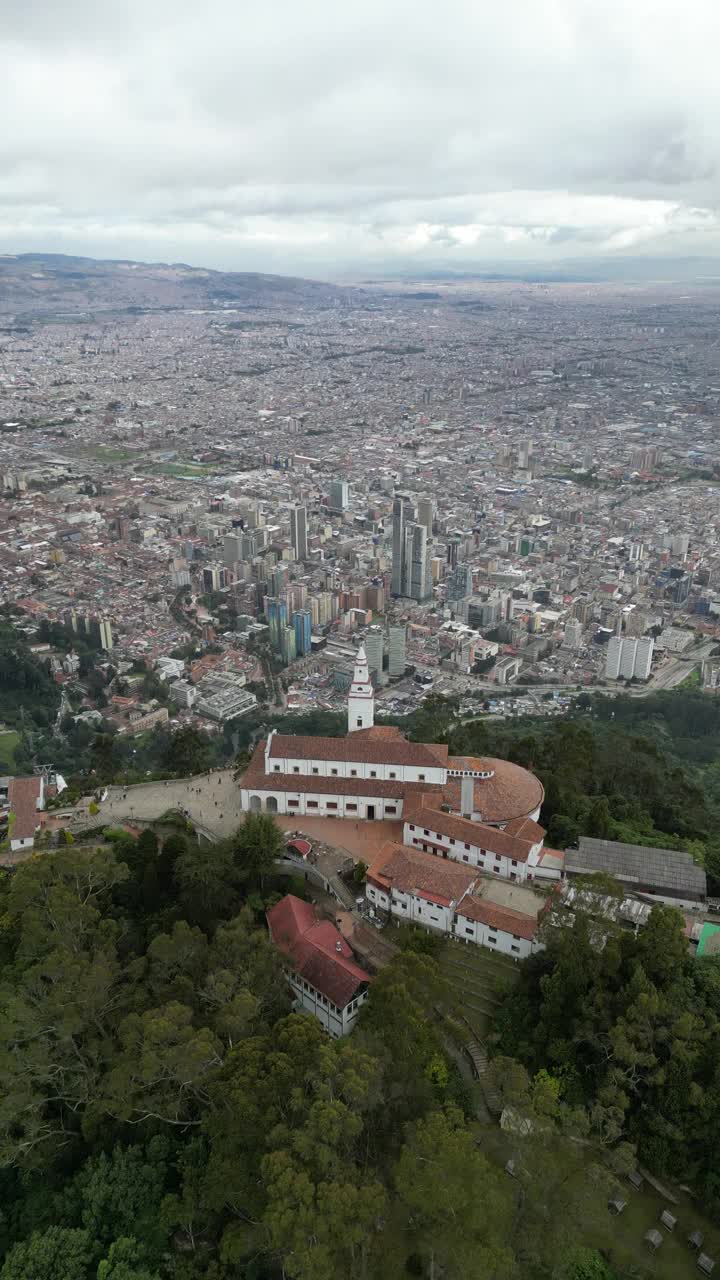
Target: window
(392, 775)
(312, 804)
(514, 862)
(390, 808)
(353, 773)
(492, 937)
(468, 928)
(412, 826)
(276, 768)
(334, 773)
(293, 804)
(421, 777)
(467, 846)
(404, 906)
(373, 773)
(296, 768)
(514, 948)
(351, 808)
(315, 769)
(466, 857)
(332, 804)
(425, 831)
(359, 722)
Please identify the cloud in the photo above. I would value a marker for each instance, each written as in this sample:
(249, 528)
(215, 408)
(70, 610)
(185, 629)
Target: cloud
(329, 136)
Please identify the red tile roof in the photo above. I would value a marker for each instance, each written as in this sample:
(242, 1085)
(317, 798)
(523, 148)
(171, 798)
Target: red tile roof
(255, 778)
(480, 835)
(512, 792)
(421, 874)
(361, 747)
(497, 917)
(23, 796)
(316, 949)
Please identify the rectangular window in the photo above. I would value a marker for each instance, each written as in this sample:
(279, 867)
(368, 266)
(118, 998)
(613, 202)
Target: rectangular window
(467, 846)
(468, 928)
(466, 857)
(514, 948)
(293, 804)
(296, 768)
(351, 808)
(514, 862)
(421, 777)
(312, 804)
(392, 775)
(332, 804)
(276, 768)
(373, 773)
(390, 808)
(334, 773)
(353, 773)
(316, 770)
(425, 831)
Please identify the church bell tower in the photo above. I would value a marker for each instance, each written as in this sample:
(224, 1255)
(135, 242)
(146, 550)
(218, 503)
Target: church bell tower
(361, 701)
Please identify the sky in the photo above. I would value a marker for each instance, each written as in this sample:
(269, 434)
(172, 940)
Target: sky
(332, 137)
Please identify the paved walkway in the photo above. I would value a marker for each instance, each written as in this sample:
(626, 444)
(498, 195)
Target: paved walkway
(212, 802)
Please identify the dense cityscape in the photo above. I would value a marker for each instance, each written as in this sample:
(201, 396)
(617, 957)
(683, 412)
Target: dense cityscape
(359, 673)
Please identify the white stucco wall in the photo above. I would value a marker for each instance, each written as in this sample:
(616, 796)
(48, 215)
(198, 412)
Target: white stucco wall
(465, 852)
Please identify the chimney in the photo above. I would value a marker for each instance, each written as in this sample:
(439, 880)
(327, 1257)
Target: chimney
(467, 797)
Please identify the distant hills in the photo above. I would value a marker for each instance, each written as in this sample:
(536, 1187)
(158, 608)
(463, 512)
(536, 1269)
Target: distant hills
(33, 284)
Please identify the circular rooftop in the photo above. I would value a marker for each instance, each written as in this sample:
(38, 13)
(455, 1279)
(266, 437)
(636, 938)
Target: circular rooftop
(509, 792)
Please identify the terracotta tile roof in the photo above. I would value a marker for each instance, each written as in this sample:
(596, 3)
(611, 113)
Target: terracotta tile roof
(512, 792)
(256, 778)
(478, 834)
(317, 950)
(422, 874)
(497, 917)
(526, 829)
(23, 796)
(358, 746)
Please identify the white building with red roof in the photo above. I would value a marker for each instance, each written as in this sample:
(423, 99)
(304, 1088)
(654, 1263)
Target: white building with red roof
(322, 972)
(457, 901)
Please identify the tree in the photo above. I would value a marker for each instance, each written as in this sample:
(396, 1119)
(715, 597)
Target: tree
(125, 1261)
(59, 1253)
(206, 878)
(457, 1204)
(256, 845)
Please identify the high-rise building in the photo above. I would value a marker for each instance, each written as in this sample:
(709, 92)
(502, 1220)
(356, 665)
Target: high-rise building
(459, 584)
(573, 634)
(339, 495)
(425, 513)
(288, 651)
(374, 647)
(276, 614)
(396, 651)
(627, 659)
(298, 531)
(106, 636)
(302, 623)
(415, 580)
(402, 516)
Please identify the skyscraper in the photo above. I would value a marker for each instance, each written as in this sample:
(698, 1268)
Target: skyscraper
(402, 515)
(374, 645)
(298, 532)
(339, 495)
(425, 515)
(303, 627)
(396, 651)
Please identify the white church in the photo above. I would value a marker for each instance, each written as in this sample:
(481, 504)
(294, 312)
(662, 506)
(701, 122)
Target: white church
(479, 812)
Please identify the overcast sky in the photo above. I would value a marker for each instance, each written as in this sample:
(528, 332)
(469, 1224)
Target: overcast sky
(333, 136)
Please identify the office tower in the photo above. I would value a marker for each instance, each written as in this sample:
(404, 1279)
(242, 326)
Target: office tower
(452, 551)
(233, 549)
(402, 516)
(288, 651)
(417, 563)
(425, 515)
(396, 651)
(573, 634)
(628, 659)
(106, 636)
(459, 584)
(278, 578)
(679, 544)
(374, 647)
(276, 614)
(302, 623)
(339, 495)
(298, 532)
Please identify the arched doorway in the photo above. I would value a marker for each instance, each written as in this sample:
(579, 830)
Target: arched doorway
(271, 804)
(255, 804)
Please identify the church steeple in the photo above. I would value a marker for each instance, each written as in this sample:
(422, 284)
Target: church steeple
(361, 701)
